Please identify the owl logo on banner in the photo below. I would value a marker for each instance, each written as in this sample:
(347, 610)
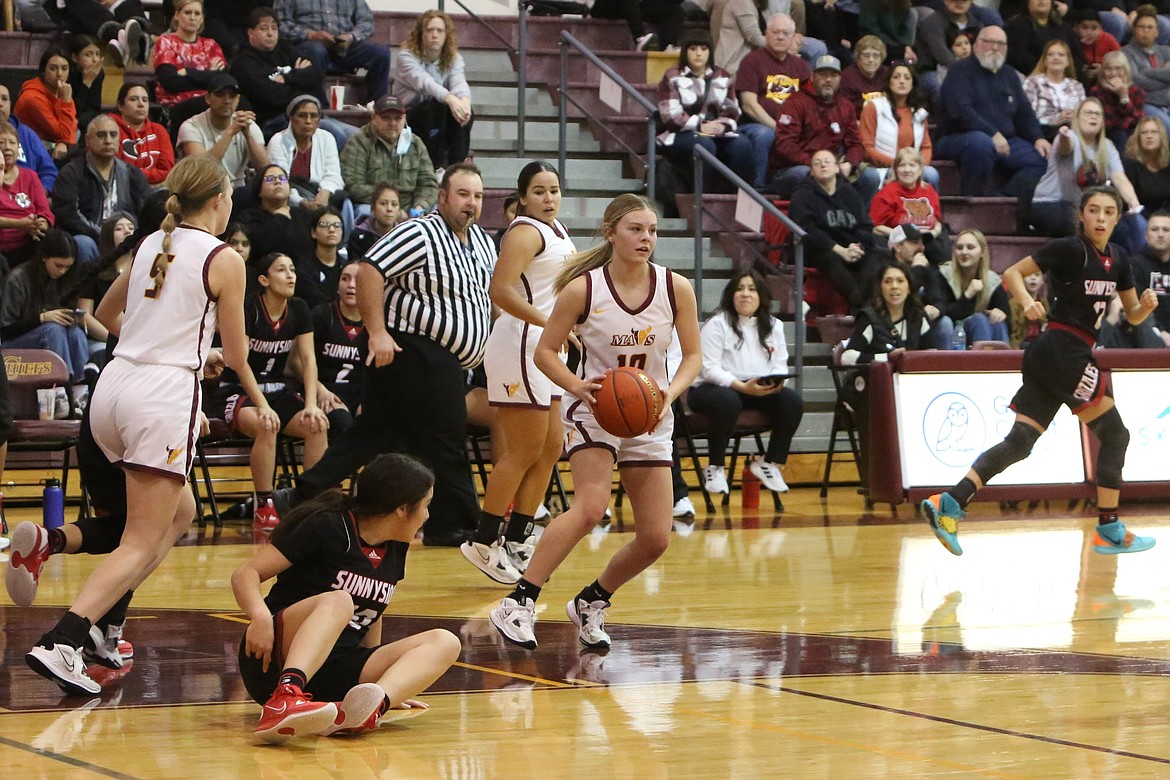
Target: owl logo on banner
(954, 429)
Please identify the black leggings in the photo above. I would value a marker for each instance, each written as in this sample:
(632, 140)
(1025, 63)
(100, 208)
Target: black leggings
(667, 17)
(722, 406)
(446, 140)
(88, 16)
(852, 280)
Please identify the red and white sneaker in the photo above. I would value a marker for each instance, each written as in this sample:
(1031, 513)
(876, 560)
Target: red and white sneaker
(106, 647)
(265, 519)
(30, 550)
(291, 712)
(360, 711)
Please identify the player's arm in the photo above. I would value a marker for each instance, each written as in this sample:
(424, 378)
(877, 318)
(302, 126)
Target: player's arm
(371, 291)
(113, 303)
(246, 581)
(686, 325)
(569, 308)
(520, 246)
(1013, 280)
(1137, 308)
(226, 280)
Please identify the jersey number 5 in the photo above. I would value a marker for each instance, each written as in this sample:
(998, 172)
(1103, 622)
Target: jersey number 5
(158, 272)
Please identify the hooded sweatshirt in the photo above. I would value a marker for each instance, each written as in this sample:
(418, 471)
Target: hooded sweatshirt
(149, 149)
(840, 218)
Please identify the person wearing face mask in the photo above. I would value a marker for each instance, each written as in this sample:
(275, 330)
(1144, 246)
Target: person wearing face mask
(387, 150)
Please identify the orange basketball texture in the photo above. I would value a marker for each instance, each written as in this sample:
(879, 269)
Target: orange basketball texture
(628, 403)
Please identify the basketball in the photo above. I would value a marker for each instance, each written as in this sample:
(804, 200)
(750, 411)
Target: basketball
(628, 403)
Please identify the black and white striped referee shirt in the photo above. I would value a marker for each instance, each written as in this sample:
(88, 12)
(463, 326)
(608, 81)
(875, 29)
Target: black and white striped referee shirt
(436, 286)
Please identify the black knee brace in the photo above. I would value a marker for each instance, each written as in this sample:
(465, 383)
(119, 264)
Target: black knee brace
(1014, 448)
(1114, 438)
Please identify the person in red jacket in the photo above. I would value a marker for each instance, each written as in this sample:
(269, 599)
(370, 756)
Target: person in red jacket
(909, 200)
(144, 144)
(818, 117)
(46, 103)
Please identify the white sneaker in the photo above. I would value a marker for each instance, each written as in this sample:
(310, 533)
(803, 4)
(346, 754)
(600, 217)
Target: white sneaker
(542, 514)
(63, 665)
(716, 480)
(119, 50)
(133, 38)
(358, 712)
(520, 553)
(516, 622)
(769, 475)
(589, 618)
(30, 550)
(105, 647)
(684, 508)
(492, 561)
(648, 42)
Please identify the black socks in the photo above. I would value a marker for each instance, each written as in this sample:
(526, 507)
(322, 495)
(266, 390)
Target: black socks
(594, 592)
(963, 492)
(525, 590)
(293, 677)
(71, 629)
(519, 527)
(489, 530)
(1106, 516)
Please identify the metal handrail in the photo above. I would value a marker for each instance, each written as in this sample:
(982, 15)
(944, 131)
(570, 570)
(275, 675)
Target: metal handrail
(520, 52)
(567, 40)
(703, 157)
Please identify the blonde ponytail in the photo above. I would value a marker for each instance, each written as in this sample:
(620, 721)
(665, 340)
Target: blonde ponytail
(193, 182)
(597, 256)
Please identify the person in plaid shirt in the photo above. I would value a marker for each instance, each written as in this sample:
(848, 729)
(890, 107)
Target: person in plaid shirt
(337, 34)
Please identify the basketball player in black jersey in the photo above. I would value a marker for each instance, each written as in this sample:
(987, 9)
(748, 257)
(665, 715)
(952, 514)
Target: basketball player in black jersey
(318, 632)
(340, 341)
(1084, 271)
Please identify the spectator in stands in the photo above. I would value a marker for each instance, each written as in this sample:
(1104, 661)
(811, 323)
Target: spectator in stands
(227, 23)
(1052, 88)
(337, 35)
(45, 104)
(1151, 269)
(24, 206)
(745, 360)
(1028, 33)
(867, 77)
(309, 154)
(697, 108)
(429, 80)
(1083, 157)
(840, 241)
(819, 117)
(665, 17)
(971, 295)
(87, 77)
(1024, 331)
(273, 225)
(32, 153)
(1095, 43)
(907, 199)
(1124, 102)
(115, 230)
(897, 119)
(933, 48)
(95, 186)
(962, 43)
(142, 143)
(835, 23)
(893, 22)
(122, 25)
(766, 78)
(384, 214)
(1148, 60)
(1117, 332)
(1147, 164)
(185, 63)
(271, 73)
(238, 239)
(319, 271)
(339, 339)
(387, 150)
(735, 30)
(227, 133)
(986, 120)
(38, 303)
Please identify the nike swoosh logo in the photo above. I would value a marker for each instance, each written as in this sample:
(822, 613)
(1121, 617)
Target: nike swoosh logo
(283, 707)
(67, 660)
(599, 311)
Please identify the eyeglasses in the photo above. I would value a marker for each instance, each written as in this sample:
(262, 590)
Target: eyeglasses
(307, 115)
(993, 44)
(1091, 112)
(281, 179)
(329, 225)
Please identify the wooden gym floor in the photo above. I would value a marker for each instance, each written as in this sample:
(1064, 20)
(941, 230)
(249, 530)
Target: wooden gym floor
(820, 643)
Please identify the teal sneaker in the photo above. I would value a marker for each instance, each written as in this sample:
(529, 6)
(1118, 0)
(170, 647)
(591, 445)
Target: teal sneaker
(944, 513)
(1113, 539)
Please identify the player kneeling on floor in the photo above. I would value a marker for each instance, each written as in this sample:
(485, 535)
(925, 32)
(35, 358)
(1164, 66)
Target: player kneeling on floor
(318, 633)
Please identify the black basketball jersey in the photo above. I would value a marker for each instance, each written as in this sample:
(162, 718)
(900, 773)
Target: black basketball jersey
(270, 342)
(327, 553)
(341, 346)
(1082, 281)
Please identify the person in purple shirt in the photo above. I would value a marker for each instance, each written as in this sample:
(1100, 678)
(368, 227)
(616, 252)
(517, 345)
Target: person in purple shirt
(32, 154)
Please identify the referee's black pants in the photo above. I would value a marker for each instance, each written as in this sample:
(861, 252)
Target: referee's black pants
(414, 405)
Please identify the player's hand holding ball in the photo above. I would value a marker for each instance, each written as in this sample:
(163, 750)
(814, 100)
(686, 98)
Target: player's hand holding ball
(587, 389)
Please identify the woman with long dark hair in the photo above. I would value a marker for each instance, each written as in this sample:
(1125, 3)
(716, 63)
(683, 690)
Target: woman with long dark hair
(45, 104)
(337, 561)
(745, 359)
(897, 119)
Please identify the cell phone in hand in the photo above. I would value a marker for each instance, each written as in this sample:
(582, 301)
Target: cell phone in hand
(771, 380)
(79, 315)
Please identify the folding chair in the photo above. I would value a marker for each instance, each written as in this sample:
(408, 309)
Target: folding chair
(843, 419)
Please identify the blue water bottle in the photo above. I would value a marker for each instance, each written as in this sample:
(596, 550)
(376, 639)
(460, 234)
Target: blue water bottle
(54, 504)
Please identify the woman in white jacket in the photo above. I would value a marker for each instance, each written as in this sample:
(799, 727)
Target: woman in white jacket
(309, 154)
(745, 357)
(897, 119)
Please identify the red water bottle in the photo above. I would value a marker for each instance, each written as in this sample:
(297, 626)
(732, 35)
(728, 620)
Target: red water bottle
(750, 489)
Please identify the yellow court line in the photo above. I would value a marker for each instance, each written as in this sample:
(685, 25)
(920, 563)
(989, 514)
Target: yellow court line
(233, 618)
(515, 675)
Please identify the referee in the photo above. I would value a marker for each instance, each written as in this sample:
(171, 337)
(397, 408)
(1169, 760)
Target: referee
(422, 294)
